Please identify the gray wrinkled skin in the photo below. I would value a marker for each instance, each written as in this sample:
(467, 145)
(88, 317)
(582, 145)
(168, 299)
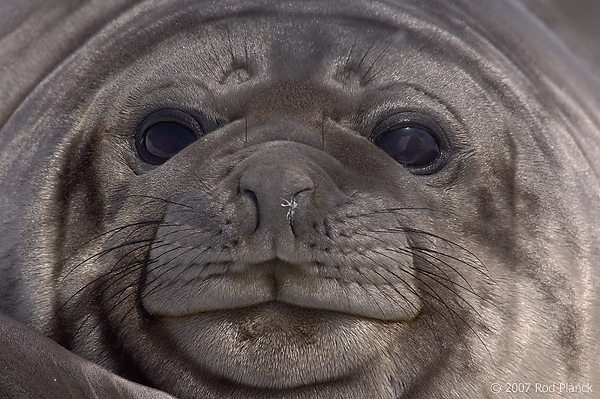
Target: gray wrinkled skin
(283, 254)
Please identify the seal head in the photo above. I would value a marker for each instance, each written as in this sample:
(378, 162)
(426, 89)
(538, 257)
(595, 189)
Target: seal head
(248, 200)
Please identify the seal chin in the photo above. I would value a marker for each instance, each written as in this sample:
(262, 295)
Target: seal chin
(266, 346)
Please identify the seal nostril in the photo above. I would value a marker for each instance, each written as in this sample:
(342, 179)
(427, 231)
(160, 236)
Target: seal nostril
(250, 194)
(279, 193)
(254, 212)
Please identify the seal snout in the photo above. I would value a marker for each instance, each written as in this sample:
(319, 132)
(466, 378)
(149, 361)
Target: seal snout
(276, 194)
(284, 241)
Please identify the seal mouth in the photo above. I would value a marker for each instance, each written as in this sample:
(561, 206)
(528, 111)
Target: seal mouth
(372, 292)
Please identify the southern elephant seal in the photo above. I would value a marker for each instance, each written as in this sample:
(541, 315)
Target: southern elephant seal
(310, 199)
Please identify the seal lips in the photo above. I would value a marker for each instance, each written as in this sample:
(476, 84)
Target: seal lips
(373, 293)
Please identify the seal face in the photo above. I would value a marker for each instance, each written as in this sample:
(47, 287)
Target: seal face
(250, 200)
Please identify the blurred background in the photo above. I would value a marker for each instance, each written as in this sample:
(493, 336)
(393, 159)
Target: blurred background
(577, 21)
(583, 14)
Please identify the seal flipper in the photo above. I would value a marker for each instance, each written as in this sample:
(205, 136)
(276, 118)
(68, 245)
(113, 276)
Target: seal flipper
(33, 366)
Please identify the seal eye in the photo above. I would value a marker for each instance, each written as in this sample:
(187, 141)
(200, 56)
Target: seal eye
(164, 140)
(165, 133)
(410, 146)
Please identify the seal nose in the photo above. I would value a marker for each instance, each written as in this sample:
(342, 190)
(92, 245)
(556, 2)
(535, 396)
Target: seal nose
(278, 192)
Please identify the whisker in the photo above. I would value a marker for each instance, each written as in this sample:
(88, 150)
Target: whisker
(104, 281)
(167, 270)
(323, 130)
(100, 278)
(160, 199)
(365, 82)
(114, 231)
(104, 252)
(198, 179)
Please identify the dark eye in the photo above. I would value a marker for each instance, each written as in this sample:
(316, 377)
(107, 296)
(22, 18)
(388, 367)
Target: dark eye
(164, 134)
(163, 140)
(410, 146)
